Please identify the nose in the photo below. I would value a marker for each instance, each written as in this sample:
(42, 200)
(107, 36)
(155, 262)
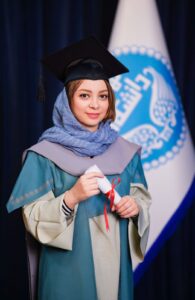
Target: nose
(94, 103)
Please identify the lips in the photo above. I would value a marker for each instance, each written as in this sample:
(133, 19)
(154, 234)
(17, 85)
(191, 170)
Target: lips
(93, 115)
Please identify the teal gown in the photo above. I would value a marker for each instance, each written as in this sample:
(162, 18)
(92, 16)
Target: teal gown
(65, 274)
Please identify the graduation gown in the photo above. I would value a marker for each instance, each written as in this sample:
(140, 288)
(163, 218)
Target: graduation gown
(78, 258)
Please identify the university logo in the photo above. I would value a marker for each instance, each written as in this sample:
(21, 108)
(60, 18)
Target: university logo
(149, 110)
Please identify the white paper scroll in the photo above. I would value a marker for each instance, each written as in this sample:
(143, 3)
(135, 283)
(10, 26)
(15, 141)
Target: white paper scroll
(104, 184)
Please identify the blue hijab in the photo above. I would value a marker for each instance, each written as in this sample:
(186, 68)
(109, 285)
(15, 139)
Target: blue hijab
(68, 132)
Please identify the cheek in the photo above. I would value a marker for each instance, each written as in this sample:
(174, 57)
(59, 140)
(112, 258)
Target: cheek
(76, 106)
(105, 107)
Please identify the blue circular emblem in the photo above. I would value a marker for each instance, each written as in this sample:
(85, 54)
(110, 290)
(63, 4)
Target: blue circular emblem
(149, 109)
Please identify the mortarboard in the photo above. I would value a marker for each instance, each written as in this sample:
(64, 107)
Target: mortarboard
(86, 59)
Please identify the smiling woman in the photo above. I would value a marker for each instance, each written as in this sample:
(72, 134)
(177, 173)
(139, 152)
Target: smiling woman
(89, 103)
(63, 207)
(108, 93)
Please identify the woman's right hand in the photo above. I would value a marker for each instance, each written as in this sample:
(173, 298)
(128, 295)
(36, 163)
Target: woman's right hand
(85, 187)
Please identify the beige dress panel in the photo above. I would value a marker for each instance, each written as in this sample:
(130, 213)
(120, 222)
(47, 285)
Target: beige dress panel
(106, 255)
(106, 244)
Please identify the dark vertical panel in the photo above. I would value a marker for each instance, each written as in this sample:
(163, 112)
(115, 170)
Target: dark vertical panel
(178, 23)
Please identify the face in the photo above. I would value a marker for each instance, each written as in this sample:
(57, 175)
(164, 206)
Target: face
(90, 103)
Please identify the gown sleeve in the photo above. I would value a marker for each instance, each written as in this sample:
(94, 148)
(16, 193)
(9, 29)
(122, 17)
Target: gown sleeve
(46, 221)
(139, 230)
(35, 180)
(36, 191)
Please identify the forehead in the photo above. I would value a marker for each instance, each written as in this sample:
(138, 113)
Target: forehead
(93, 85)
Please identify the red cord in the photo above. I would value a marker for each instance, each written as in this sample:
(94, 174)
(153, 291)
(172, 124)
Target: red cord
(110, 195)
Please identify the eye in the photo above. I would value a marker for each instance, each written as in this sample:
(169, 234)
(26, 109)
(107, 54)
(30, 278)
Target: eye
(84, 96)
(104, 96)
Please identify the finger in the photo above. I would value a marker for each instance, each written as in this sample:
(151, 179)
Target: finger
(125, 206)
(125, 211)
(125, 203)
(129, 208)
(90, 188)
(113, 208)
(94, 174)
(93, 192)
(122, 202)
(130, 213)
(91, 181)
(93, 186)
(126, 216)
(87, 182)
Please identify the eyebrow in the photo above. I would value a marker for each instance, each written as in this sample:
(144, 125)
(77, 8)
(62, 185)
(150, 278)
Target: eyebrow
(89, 91)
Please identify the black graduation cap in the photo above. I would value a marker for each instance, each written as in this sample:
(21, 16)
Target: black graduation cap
(86, 59)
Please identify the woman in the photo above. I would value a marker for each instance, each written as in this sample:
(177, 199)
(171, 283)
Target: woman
(63, 207)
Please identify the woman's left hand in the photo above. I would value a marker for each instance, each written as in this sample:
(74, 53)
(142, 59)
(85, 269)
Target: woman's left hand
(127, 207)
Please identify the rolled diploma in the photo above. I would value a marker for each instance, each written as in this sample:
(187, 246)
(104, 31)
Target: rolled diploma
(103, 183)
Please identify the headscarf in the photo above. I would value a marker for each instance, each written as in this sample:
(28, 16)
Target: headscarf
(68, 132)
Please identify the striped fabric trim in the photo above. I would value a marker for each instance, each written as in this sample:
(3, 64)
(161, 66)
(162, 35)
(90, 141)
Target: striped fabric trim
(67, 210)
